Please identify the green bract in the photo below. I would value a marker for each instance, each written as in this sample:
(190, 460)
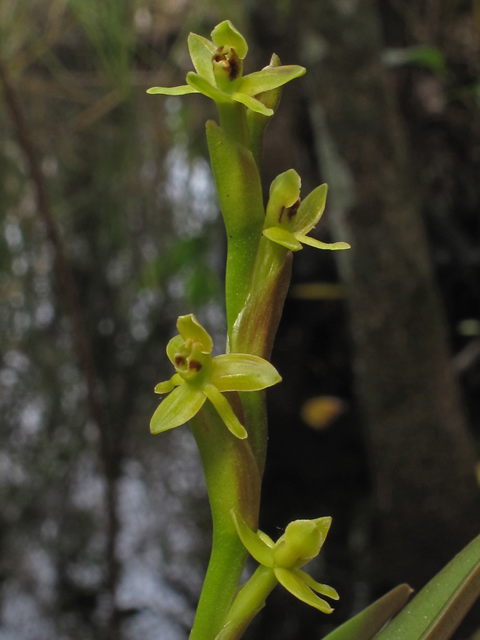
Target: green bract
(199, 376)
(301, 542)
(288, 221)
(219, 71)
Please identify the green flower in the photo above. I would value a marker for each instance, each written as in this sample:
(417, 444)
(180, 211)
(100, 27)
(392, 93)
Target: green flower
(289, 220)
(301, 542)
(219, 66)
(199, 376)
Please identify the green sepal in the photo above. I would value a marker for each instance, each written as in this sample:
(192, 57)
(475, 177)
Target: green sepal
(201, 52)
(270, 78)
(190, 329)
(202, 85)
(173, 346)
(322, 589)
(283, 238)
(252, 103)
(173, 91)
(242, 372)
(225, 411)
(178, 407)
(225, 34)
(312, 242)
(300, 590)
(311, 209)
(256, 547)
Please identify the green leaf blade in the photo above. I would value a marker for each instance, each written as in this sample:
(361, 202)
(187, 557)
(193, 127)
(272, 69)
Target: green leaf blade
(366, 624)
(438, 609)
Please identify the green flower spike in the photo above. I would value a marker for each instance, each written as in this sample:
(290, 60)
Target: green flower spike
(301, 542)
(288, 221)
(199, 376)
(219, 66)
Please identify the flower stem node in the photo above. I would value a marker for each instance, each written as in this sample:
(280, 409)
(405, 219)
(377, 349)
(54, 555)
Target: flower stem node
(302, 541)
(200, 377)
(289, 220)
(219, 71)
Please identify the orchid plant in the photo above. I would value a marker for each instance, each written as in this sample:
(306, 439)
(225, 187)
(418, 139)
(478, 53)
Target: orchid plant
(222, 397)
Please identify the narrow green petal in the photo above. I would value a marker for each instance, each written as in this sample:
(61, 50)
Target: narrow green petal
(182, 404)
(173, 91)
(282, 237)
(334, 246)
(201, 85)
(191, 329)
(300, 590)
(225, 34)
(201, 52)
(270, 78)
(164, 387)
(311, 209)
(252, 103)
(322, 589)
(242, 372)
(254, 544)
(173, 346)
(225, 411)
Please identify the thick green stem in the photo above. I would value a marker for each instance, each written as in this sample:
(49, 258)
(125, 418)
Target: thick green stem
(248, 603)
(240, 195)
(233, 122)
(233, 482)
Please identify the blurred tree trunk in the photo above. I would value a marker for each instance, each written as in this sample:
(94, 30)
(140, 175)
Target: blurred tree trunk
(421, 453)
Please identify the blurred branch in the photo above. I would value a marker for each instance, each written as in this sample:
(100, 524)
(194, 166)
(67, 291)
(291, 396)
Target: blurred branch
(82, 347)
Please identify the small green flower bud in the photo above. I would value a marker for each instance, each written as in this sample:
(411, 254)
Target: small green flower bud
(300, 543)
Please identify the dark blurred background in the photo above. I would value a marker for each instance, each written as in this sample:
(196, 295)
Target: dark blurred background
(104, 529)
